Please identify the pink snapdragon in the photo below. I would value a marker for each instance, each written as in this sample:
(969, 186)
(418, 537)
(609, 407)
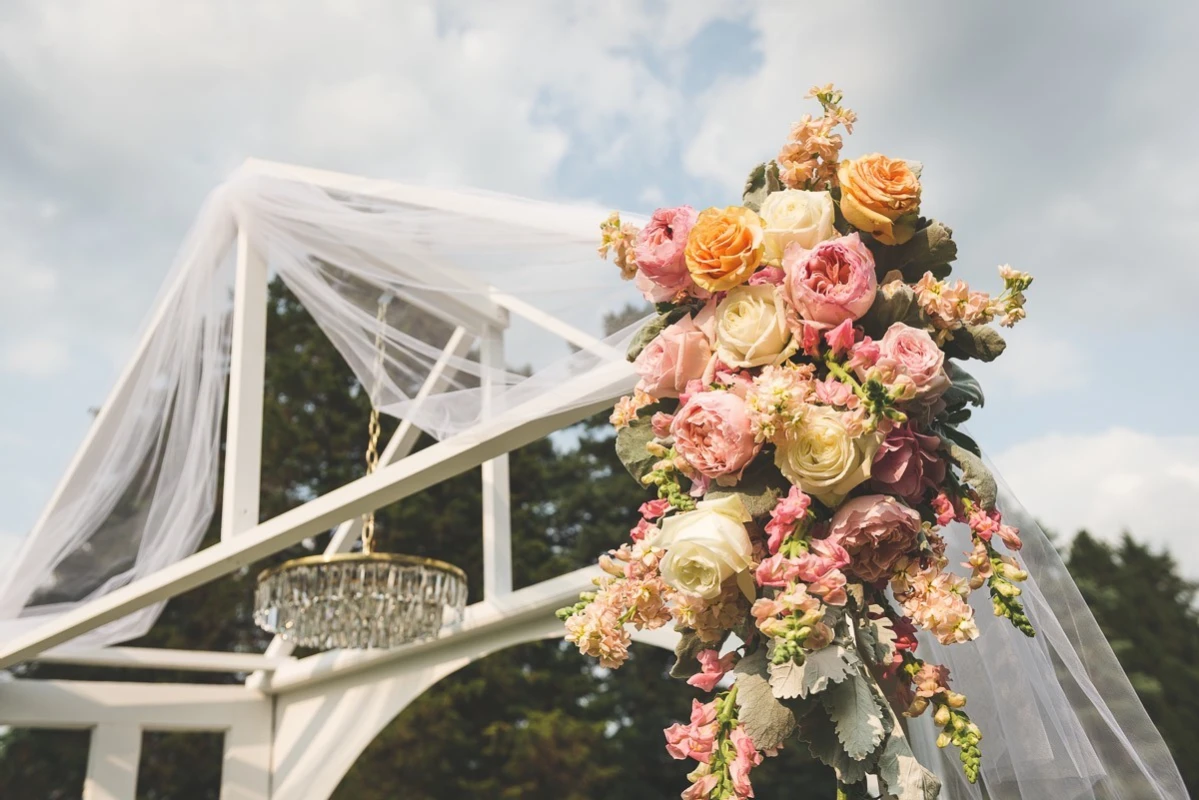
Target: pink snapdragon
(713, 667)
(695, 739)
(785, 516)
(841, 338)
(746, 759)
(653, 509)
(986, 524)
(944, 509)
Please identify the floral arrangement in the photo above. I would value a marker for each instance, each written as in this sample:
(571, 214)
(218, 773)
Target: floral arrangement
(797, 418)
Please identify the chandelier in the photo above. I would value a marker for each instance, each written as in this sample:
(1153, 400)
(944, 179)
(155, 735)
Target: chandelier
(365, 599)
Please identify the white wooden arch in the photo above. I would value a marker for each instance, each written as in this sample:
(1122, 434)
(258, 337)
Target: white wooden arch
(295, 727)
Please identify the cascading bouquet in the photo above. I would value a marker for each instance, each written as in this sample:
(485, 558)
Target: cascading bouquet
(797, 413)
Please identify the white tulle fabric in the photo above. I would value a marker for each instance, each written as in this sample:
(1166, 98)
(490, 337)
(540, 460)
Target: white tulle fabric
(143, 488)
(1060, 718)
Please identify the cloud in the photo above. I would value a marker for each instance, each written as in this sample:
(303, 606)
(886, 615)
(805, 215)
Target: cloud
(1040, 360)
(34, 357)
(1111, 482)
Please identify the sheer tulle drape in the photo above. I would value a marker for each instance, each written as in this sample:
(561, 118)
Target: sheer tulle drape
(143, 490)
(1060, 718)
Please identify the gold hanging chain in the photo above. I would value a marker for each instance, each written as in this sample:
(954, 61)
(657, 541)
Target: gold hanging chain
(372, 444)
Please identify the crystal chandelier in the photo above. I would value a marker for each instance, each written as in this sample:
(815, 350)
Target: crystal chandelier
(361, 600)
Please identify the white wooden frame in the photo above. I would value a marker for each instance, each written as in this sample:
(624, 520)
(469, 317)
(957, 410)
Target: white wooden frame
(297, 725)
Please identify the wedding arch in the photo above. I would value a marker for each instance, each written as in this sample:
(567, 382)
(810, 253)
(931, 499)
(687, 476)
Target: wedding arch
(92, 573)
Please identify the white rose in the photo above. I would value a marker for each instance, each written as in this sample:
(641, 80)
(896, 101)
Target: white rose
(751, 328)
(706, 546)
(820, 456)
(793, 215)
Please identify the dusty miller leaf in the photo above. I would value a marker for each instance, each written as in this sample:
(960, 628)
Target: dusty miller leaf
(964, 387)
(893, 302)
(931, 249)
(877, 638)
(975, 341)
(852, 706)
(762, 181)
(766, 720)
(821, 735)
(958, 437)
(647, 334)
(974, 472)
(902, 776)
(688, 647)
(831, 664)
(630, 447)
(786, 680)
(760, 488)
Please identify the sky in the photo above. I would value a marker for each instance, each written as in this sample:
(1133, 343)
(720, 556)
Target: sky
(1058, 142)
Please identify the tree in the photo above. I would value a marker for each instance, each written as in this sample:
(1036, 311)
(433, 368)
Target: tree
(1147, 612)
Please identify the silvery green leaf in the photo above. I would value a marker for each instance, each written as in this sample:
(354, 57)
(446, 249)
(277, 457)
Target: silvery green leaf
(901, 775)
(974, 472)
(975, 341)
(759, 488)
(931, 249)
(766, 720)
(893, 302)
(964, 388)
(647, 334)
(630, 447)
(762, 181)
(786, 680)
(878, 637)
(686, 650)
(855, 711)
(831, 664)
(821, 735)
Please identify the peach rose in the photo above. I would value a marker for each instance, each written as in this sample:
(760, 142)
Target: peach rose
(880, 195)
(724, 247)
(713, 433)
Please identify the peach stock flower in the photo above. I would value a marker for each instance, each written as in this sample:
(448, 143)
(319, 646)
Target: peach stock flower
(880, 195)
(724, 248)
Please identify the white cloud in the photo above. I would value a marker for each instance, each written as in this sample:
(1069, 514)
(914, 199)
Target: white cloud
(34, 357)
(1111, 482)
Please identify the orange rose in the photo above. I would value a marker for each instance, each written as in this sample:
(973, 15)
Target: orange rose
(881, 196)
(724, 247)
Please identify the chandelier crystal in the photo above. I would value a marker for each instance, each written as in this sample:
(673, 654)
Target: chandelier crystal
(367, 599)
(359, 600)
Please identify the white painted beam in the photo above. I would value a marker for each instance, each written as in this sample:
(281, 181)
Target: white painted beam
(573, 401)
(497, 498)
(112, 762)
(161, 658)
(243, 436)
(153, 706)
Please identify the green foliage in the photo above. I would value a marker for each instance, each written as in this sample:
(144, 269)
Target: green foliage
(1147, 610)
(976, 341)
(931, 249)
(762, 181)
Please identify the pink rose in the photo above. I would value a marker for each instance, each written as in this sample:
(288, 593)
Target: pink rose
(907, 464)
(712, 432)
(832, 282)
(915, 353)
(678, 354)
(661, 269)
(771, 275)
(876, 530)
